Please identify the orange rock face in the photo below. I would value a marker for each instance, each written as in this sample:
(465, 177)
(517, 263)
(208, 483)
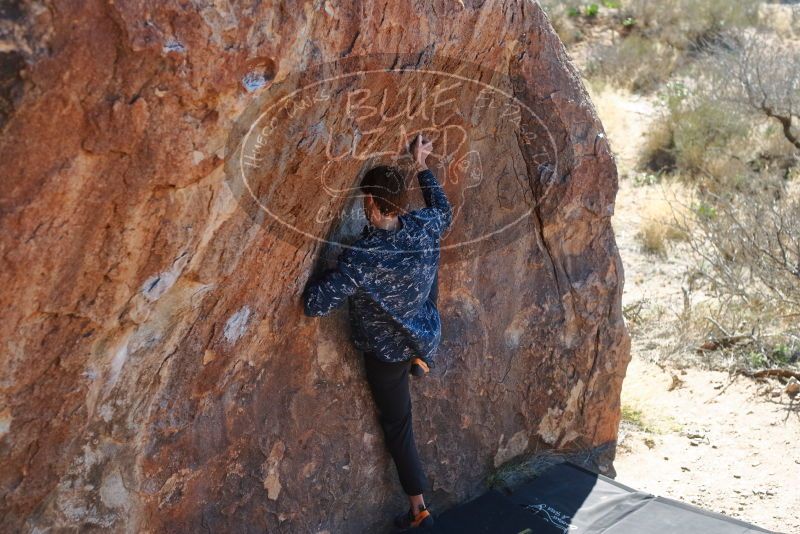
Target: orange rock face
(172, 175)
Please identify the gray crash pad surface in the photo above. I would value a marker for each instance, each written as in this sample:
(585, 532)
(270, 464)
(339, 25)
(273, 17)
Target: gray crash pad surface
(567, 499)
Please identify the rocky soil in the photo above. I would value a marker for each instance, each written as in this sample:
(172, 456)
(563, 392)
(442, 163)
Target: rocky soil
(725, 443)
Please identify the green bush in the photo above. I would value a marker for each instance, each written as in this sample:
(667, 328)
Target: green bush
(782, 354)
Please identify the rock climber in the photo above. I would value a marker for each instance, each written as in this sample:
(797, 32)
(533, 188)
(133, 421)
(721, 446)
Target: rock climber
(390, 275)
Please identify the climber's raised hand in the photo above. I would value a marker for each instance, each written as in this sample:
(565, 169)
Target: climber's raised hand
(420, 149)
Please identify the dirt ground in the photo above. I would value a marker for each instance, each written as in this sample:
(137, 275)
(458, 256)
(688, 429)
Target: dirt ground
(729, 444)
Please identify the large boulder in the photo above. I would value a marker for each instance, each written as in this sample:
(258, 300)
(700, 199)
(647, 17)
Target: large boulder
(158, 374)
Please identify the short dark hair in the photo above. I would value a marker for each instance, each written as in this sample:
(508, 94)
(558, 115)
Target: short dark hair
(387, 186)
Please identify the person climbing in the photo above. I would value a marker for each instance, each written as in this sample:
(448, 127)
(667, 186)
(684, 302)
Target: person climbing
(390, 276)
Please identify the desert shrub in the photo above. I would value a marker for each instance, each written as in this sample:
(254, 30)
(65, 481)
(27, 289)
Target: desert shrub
(734, 336)
(658, 151)
(634, 63)
(737, 123)
(656, 39)
(759, 72)
(689, 24)
(698, 138)
(652, 236)
(703, 132)
(747, 252)
(751, 246)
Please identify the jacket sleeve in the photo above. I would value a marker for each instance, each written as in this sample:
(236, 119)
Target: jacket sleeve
(333, 287)
(439, 213)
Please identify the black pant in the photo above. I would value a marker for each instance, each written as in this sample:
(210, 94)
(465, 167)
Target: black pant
(389, 385)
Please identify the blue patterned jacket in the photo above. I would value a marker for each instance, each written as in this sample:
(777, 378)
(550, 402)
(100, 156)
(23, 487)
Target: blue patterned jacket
(389, 277)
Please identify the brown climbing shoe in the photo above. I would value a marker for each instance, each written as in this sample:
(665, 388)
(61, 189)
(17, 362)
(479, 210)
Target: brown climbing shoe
(408, 520)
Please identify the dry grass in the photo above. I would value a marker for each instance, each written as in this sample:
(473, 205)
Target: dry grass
(767, 338)
(658, 228)
(652, 237)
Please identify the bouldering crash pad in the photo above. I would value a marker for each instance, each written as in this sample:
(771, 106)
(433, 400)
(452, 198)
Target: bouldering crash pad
(568, 499)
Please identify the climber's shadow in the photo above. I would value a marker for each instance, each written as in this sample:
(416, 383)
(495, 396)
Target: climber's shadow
(343, 233)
